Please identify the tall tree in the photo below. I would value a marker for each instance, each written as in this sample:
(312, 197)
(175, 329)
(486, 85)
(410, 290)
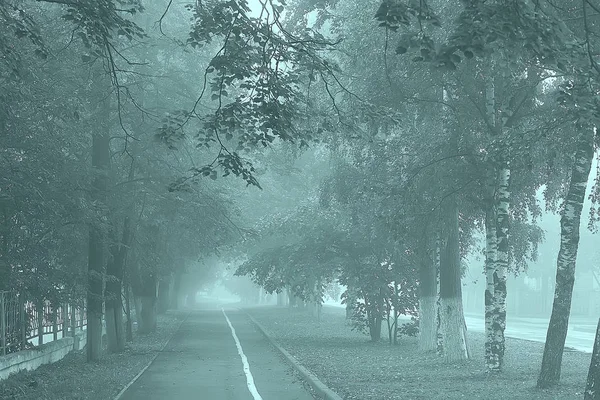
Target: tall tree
(98, 230)
(567, 256)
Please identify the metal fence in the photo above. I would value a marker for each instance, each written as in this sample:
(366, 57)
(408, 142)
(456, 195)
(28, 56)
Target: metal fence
(25, 324)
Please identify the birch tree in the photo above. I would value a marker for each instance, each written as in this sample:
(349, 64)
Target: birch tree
(592, 388)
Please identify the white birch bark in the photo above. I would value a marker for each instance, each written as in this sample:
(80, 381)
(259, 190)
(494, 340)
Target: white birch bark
(490, 269)
(567, 258)
(502, 219)
(592, 387)
(439, 331)
(496, 221)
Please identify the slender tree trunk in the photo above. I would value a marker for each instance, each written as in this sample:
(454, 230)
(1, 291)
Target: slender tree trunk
(502, 225)
(5, 269)
(592, 388)
(374, 316)
(128, 323)
(292, 298)
(567, 257)
(350, 301)
(147, 320)
(452, 317)
(94, 295)
(496, 223)
(115, 331)
(389, 321)
(438, 317)
(427, 305)
(316, 300)
(375, 323)
(175, 293)
(163, 296)
(491, 352)
(137, 306)
(97, 236)
(396, 315)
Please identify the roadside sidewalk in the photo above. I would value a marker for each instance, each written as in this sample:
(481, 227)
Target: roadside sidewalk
(72, 378)
(357, 369)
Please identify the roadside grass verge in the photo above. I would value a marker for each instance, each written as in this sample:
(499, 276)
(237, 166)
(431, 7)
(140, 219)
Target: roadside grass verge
(357, 369)
(72, 378)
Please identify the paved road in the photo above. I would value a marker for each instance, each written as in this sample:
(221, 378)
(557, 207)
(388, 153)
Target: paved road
(580, 335)
(203, 362)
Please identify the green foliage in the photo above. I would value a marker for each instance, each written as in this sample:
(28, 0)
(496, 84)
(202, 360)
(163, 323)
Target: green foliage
(255, 81)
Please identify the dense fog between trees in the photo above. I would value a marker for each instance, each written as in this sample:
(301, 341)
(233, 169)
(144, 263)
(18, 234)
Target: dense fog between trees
(425, 171)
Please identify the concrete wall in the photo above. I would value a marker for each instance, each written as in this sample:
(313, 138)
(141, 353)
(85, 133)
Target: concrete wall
(44, 354)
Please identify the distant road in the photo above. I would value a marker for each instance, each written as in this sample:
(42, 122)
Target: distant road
(218, 354)
(579, 337)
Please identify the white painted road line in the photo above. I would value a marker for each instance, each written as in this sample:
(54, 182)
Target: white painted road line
(249, 377)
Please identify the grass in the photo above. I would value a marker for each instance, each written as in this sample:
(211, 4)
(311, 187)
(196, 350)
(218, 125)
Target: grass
(360, 370)
(72, 378)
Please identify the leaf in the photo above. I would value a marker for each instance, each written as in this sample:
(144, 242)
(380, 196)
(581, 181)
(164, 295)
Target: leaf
(401, 49)
(41, 54)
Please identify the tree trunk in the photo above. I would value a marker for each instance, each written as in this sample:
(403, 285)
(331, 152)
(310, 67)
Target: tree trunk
(137, 305)
(316, 303)
(96, 252)
(147, 320)
(375, 328)
(592, 388)
(375, 315)
(502, 225)
(491, 352)
(163, 296)
(396, 315)
(128, 323)
(280, 299)
(438, 317)
(567, 257)
(115, 332)
(427, 305)
(175, 293)
(496, 225)
(350, 301)
(451, 313)
(94, 295)
(5, 269)
(293, 299)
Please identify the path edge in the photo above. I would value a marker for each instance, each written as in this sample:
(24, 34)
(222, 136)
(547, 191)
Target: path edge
(135, 378)
(322, 390)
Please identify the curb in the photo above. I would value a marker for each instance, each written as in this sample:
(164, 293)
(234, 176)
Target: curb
(319, 387)
(135, 378)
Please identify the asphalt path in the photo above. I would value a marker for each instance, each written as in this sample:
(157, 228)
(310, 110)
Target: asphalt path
(204, 361)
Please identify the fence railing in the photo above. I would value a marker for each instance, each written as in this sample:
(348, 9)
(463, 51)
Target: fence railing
(25, 324)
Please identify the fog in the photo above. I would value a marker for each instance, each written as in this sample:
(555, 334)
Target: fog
(299, 199)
